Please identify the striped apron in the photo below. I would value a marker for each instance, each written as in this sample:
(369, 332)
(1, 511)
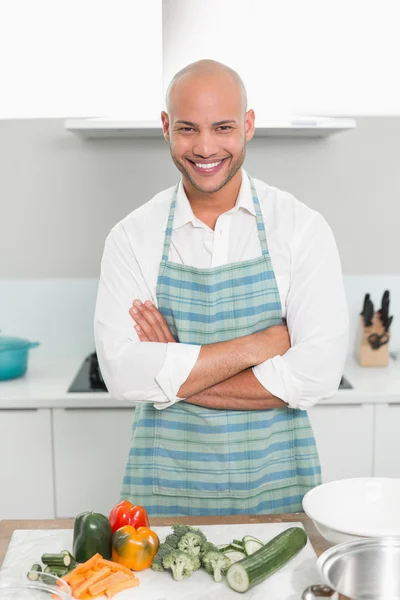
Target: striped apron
(190, 460)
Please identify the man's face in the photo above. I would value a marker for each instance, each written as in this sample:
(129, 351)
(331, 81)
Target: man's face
(206, 125)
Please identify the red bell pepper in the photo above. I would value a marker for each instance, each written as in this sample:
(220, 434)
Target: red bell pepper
(125, 513)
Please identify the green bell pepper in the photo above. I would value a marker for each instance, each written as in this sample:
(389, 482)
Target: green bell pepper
(92, 534)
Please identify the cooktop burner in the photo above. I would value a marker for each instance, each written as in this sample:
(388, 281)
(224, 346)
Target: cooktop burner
(89, 377)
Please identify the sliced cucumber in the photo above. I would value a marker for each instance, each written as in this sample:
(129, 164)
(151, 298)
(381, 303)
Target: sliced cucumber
(223, 547)
(251, 544)
(253, 569)
(34, 573)
(235, 555)
(56, 560)
(239, 547)
(237, 542)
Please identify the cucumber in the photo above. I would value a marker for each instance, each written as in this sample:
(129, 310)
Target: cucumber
(34, 573)
(72, 560)
(253, 569)
(238, 547)
(57, 571)
(234, 555)
(251, 544)
(237, 542)
(224, 547)
(56, 560)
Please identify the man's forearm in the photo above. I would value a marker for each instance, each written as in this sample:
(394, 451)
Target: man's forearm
(220, 361)
(240, 392)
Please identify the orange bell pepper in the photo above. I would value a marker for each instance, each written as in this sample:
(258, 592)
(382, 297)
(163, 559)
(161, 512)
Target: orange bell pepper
(134, 548)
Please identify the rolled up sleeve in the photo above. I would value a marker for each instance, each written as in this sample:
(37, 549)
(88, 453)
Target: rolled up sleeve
(132, 370)
(318, 322)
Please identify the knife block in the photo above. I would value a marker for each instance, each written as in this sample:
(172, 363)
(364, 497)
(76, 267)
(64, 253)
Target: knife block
(369, 357)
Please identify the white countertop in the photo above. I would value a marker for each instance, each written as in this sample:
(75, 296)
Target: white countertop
(46, 383)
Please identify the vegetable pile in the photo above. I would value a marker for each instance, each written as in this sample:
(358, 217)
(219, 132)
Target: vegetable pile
(186, 550)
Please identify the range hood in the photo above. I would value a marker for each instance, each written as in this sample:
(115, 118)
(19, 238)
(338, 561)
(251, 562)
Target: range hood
(290, 125)
(183, 25)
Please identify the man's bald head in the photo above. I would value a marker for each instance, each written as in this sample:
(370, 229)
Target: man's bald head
(206, 68)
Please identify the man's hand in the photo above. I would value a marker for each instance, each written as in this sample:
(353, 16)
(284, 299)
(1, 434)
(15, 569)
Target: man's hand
(150, 324)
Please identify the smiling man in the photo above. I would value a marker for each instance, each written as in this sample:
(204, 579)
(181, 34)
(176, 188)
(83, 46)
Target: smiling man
(221, 314)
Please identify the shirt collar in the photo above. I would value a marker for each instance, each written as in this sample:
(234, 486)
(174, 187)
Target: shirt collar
(184, 213)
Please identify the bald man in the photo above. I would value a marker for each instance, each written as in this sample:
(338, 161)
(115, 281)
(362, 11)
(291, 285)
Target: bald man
(221, 315)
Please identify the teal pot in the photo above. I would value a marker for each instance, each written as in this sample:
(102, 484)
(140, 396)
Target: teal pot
(14, 356)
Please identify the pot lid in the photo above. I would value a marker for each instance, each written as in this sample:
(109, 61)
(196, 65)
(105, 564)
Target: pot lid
(14, 343)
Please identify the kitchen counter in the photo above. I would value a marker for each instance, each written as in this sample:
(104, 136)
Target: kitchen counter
(46, 383)
(318, 543)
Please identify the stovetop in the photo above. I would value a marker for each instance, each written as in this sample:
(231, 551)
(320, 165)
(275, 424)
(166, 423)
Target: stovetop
(90, 379)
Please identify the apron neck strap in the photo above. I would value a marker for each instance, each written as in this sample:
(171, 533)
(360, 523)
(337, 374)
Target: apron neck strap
(260, 221)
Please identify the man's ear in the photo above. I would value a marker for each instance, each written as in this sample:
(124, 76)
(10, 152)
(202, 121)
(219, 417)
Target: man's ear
(165, 125)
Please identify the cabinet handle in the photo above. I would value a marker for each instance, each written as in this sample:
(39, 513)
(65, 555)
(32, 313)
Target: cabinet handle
(18, 409)
(71, 408)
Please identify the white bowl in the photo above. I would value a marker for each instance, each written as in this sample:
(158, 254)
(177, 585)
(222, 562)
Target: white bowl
(350, 509)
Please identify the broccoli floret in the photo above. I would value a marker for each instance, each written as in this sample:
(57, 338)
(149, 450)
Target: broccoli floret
(190, 542)
(207, 547)
(172, 540)
(216, 564)
(163, 551)
(182, 564)
(181, 530)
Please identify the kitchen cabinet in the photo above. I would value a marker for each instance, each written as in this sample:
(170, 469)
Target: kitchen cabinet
(90, 451)
(344, 436)
(387, 440)
(26, 469)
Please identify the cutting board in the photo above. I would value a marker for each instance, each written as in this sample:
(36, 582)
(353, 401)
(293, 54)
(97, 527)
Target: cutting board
(27, 546)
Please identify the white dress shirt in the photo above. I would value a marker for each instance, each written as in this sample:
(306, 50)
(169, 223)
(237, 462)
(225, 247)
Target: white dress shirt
(307, 268)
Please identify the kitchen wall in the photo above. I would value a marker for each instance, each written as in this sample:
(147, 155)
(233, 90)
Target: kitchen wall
(60, 196)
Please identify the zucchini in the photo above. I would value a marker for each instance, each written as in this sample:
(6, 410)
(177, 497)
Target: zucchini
(251, 544)
(253, 569)
(72, 560)
(56, 560)
(234, 555)
(57, 571)
(34, 573)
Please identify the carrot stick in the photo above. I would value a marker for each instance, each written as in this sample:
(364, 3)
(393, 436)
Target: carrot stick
(104, 584)
(76, 580)
(115, 566)
(83, 567)
(85, 585)
(123, 585)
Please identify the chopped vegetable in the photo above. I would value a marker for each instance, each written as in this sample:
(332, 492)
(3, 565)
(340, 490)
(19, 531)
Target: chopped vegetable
(182, 564)
(216, 564)
(208, 547)
(235, 555)
(251, 544)
(190, 542)
(172, 540)
(164, 550)
(35, 571)
(253, 569)
(123, 585)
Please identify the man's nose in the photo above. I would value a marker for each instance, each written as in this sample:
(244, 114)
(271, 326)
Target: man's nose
(205, 144)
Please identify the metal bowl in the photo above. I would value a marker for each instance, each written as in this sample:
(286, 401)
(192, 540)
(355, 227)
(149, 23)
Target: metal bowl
(368, 569)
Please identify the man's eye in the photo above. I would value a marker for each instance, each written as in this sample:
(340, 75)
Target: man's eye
(225, 127)
(185, 128)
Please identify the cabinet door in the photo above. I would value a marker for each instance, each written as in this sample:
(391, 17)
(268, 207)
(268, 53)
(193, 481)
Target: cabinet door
(387, 440)
(26, 471)
(344, 436)
(90, 452)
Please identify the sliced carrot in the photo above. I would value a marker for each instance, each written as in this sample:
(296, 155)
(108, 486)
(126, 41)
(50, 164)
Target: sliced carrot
(77, 580)
(123, 585)
(115, 566)
(83, 567)
(89, 573)
(87, 596)
(104, 584)
(85, 585)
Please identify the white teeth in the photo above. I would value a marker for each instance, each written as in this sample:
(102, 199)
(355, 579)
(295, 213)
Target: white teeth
(208, 165)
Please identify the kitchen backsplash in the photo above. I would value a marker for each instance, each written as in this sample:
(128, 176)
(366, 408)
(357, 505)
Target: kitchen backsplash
(59, 312)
